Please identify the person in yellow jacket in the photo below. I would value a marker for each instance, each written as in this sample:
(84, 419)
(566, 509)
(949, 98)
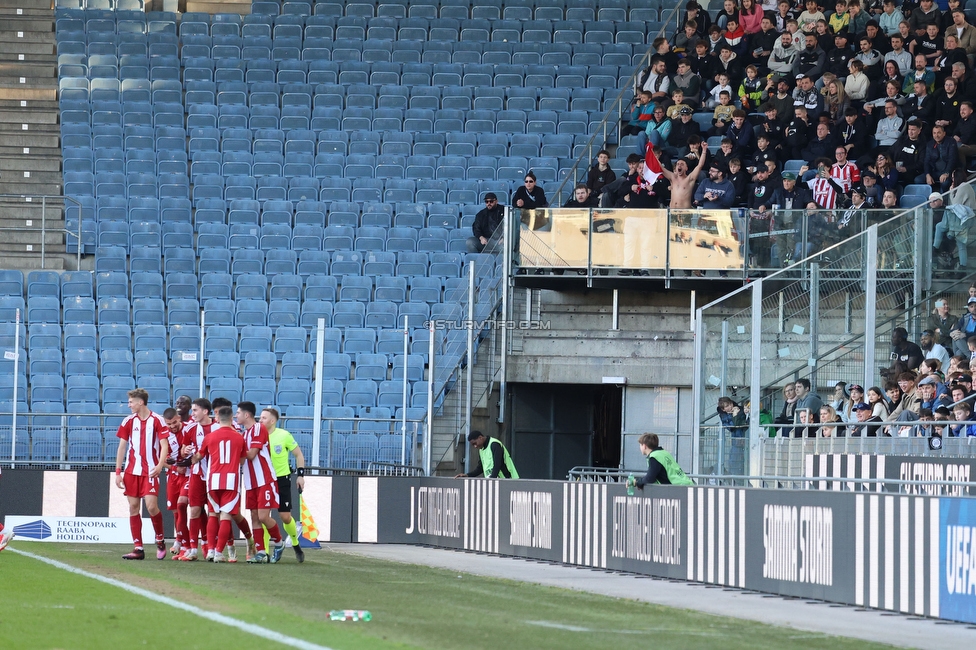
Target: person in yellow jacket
(662, 468)
(495, 459)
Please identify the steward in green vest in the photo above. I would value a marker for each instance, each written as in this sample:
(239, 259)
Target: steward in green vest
(495, 459)
(662, 468)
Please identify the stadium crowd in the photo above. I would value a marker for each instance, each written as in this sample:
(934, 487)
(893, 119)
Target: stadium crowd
(926, 391)
(826, 109)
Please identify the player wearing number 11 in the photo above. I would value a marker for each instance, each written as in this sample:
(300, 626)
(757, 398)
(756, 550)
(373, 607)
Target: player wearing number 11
(224, 450)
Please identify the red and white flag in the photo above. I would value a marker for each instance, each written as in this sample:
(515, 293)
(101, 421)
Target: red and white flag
(652, 166)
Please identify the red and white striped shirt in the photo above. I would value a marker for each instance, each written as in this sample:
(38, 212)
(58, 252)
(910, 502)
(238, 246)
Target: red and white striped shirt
(258, 471)
(143, 437)
(824, 193)
(846, 175)
(224, 448)
(195, 435)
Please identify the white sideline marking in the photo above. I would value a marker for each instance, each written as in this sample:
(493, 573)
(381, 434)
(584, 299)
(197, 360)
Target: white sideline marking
(250, 628)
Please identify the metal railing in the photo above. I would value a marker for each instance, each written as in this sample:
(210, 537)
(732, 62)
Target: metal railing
(772, 481)
(676, 244)
(52, 207)
(79, 439)
(474, 324)
(825, 315)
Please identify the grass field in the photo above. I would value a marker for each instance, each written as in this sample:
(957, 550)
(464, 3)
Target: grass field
(42, 606)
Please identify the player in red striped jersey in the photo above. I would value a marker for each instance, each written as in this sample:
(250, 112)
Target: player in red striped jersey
(144, 455)
(196, 489)
(238, 518)
(260, 484)
(176, 478)
(224, 449)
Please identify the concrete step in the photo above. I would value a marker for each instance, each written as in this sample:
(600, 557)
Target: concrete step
(22, 58)
(27, 116)
(32, 138)
(21, 92)
(17, 214)
(33, 83)
(30, 187)
(30, 261)
(18, 240)
(17, 69)
(15, 23)
(32, 163)
(29, 176)
(29, 105)
(12, 129)
(27, 5)
(10, 48)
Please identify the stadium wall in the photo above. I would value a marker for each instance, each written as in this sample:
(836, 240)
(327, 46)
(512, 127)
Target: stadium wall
(77, 497)
(912, 554)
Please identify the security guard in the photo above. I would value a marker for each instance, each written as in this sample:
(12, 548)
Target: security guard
(495, 459)
(662, 468)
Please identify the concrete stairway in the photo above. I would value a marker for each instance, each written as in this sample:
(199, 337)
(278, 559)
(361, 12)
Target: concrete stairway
(30, 151)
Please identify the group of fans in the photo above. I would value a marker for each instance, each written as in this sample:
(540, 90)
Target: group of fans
(870, 96)
(211, 456)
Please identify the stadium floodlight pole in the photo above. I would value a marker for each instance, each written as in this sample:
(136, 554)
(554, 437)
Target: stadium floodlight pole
(870, 303)
(430, 398)
(203, 323)
(317, 409)
(403, 417)
(468, 391)
(13, 419)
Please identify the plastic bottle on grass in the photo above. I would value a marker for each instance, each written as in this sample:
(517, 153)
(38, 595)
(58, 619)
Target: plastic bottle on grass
(350, 615)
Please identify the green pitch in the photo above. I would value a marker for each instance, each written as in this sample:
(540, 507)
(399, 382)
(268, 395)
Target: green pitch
(413, 606)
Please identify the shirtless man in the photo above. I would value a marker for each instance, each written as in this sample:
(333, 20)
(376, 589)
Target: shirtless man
(683, 183)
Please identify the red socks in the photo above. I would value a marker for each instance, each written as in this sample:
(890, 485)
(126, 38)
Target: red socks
(157, 522)
(245, 528)
(213, 524)
(135, 525)
(182, 534)
(223, 535)
(194, 532)
(275, 533)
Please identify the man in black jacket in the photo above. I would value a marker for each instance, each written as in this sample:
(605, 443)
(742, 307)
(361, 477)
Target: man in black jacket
(908, 152)
(486, 224)
(681, 130)
(839, 57)
(964, 133)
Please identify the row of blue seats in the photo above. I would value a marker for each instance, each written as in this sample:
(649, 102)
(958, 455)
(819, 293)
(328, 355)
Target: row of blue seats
(187, 311)
(273, 11)
(447, 28)
(175, 219)
(375, 285)
(84, 443)
(577, 123)
(80, 341)
(220, 260)
(80, 185)
(280, 341)
(322, 59)
(49, 391)
(366, 239)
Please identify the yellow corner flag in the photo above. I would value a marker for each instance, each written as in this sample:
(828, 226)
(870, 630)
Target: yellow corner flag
(309, 531)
